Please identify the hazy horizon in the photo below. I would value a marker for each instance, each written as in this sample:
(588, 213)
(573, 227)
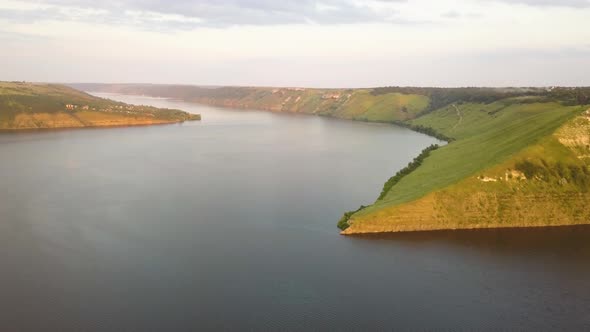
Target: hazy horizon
(313, 87)
(323, 44)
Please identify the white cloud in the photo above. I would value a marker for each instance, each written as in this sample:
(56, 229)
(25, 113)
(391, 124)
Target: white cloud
(418, 42)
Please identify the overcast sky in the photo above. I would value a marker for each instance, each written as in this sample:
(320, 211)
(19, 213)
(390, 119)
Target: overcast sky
(323, 43)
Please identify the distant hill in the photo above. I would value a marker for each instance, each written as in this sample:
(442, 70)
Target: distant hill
(39, 106)
(517, 157)
(356, 104)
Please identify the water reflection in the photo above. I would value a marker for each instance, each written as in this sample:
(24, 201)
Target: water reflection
(571, 242)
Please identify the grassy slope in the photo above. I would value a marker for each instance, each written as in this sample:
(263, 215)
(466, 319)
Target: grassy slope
(445, 191)
(482, 141)
(31, 106)
(357, 104)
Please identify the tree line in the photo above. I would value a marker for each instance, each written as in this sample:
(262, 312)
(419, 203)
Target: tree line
(406, 170)
(441, 97)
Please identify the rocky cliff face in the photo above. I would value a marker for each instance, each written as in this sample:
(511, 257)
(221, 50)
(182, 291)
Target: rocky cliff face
(64, 120)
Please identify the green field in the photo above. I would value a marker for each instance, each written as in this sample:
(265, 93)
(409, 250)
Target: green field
(482, 141)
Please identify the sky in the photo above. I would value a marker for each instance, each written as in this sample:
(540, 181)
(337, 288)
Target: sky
(309, 43)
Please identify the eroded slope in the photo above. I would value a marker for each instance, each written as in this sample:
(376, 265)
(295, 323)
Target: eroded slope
(35, 106)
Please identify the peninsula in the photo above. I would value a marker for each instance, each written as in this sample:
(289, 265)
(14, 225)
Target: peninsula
(42, 106)
(516, 157)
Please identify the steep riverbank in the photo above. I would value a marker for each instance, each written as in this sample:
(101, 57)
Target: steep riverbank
(353, 104)
(518, 156)
(525, 167)
(45, 106)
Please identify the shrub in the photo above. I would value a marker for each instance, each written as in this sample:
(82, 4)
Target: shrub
(578, 175)
(406, 170)
(343, 222)
(424, 130)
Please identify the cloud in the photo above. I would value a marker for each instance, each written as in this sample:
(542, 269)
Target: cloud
(453, 14)
(183, 14)
(550, 3)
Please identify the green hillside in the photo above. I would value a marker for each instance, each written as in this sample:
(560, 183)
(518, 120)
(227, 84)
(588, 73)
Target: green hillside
(36, 106)
(482, 141)
(507, 164)
(355, 104)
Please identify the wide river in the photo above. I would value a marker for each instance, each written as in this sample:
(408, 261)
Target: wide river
(230, 223)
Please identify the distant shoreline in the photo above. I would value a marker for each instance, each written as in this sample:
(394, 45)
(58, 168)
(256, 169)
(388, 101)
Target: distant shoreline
(13, 130)
(27, 106)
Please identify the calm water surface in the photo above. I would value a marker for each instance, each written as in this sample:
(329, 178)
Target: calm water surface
(229, 223)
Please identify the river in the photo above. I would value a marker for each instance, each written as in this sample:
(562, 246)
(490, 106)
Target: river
(230, 223)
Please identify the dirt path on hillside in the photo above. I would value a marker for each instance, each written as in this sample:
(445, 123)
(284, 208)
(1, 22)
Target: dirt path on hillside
(85, 123)
(459, 114)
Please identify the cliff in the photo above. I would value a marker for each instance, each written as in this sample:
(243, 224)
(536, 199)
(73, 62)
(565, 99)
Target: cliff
(42, 106)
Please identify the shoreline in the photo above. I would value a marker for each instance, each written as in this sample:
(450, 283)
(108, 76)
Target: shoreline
(400, 124)
(33, 129)
(463, 229)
